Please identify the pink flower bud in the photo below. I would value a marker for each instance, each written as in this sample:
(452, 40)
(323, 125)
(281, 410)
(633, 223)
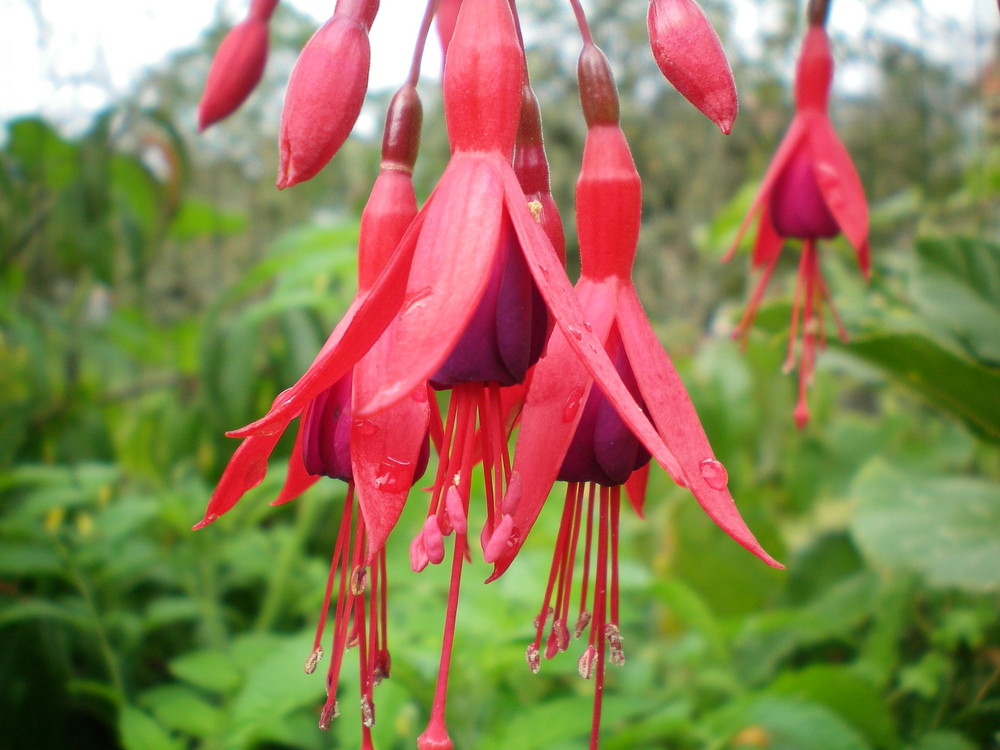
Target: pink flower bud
(690, 56)
(237, 66)
(325, 93)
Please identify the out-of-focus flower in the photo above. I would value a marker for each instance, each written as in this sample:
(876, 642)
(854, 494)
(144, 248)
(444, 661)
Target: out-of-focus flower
(325, 92)
(237, 66)
(810, 191)
(568, 429)
(690, 56)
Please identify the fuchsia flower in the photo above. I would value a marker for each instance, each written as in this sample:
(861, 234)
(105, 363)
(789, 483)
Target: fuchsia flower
(380, 457)
(237, 66)
(325, 92)
(568, 429)
(810, 191)
(690, 56)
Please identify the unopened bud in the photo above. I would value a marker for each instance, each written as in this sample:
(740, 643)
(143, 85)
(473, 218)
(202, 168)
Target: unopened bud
(689, 54)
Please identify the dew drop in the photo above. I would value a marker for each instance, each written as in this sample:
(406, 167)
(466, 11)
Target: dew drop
(586, 324)
(414, 299)
(393, 475)
(573, 401)
(575, 332)
(366, 427)
(714, 474)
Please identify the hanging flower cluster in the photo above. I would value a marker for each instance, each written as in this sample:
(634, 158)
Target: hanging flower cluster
(467, 300)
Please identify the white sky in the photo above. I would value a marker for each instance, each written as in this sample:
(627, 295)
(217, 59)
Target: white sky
(64, 57)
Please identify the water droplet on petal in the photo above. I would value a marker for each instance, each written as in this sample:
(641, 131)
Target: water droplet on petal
(586, 324)
(414, 299)
(366, 427)
(714, 474)
(393, 475)
(575, 332)
(573, 401)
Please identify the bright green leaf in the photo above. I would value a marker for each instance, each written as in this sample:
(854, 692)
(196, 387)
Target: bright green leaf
(946, 528)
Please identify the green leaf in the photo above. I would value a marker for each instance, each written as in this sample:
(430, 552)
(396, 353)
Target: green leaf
(210, 670)
(944, 740)
(140, 731)
(855, 699)
(786, 723)
(950, 381)
(201, 219)
(945, 528)
(181, 708)
(957, 289)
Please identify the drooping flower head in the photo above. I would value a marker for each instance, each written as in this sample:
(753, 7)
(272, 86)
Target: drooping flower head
(811, 191)
(379, 457)
(690, 56)
(570, 431)
(237, 66)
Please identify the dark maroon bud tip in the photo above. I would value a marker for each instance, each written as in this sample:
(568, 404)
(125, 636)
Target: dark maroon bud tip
(598, 92)
(401, 140)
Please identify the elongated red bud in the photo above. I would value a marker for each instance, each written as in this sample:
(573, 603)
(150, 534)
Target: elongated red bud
(325, 92)
(237, 66)
(690, 56)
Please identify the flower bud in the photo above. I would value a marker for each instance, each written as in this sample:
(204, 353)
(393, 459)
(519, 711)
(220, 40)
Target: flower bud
(325, 93)
(690, 56)
(236, 68)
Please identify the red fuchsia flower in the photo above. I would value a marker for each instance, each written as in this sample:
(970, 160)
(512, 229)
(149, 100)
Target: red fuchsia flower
(810, 191)
(379, 457)
(325, 92)
(690, 56)
(570, 432)
(237, 66)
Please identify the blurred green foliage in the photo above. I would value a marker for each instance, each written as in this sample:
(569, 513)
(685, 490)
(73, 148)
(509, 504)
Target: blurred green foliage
(134, 332)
